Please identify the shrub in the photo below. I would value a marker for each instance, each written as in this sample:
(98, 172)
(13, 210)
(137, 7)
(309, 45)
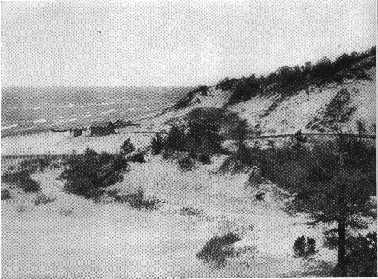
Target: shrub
(243, 159)
(21, 179)
(227, 84)
(190, 211)
(135, 200)
(35, 164)
(137, 157)
(204, 159)
(5, 195)
(218, 249)
(43, 199)
(303, 247)
(127, 147)
(90, 173)
(300, 247)
(245, 89)
(203, 133)
(176, 139)
(157, 144)
(186, 163)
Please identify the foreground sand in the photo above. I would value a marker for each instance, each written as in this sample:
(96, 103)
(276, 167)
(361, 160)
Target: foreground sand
(72, 237)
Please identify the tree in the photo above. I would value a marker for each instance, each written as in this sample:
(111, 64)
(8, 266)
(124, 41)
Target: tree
(337, 190)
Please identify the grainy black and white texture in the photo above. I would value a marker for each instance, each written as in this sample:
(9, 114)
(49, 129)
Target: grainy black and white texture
(188, 139)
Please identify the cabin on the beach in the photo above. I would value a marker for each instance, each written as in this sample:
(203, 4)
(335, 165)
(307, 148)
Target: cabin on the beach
(101, 129)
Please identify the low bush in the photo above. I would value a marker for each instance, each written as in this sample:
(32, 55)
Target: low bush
(204, 159)
(135, 200)
(137, 157)
(21, 178)
(43, 199)
(304, 247)
(176, 139)
(157, 144)
(186, 163)
(243, 159)
(127, 147)
(35, 164)
(190, 211)
(218, 249)
(5, 194)
(90, 173)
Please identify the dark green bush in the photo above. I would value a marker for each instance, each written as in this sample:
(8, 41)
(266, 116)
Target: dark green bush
(90, 173)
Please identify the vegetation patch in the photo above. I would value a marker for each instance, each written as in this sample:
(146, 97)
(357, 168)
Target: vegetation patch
(43, 199)
(190, 211)
(135, 200)
(288, 80)
(90, 173)
(21, 178)
(202, 135)
(304, 247)
(218, 249)
(5, 194)
(337, 111)
(137, 157)
(186, 163)
(127, 147)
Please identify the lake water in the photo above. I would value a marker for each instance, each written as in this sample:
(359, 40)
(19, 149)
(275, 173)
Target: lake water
(36, 109)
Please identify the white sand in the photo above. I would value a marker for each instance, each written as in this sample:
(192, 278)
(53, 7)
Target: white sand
(61, 143)
(76, 238)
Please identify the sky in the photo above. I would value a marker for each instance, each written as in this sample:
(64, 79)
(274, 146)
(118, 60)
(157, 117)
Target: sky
(173, 43)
